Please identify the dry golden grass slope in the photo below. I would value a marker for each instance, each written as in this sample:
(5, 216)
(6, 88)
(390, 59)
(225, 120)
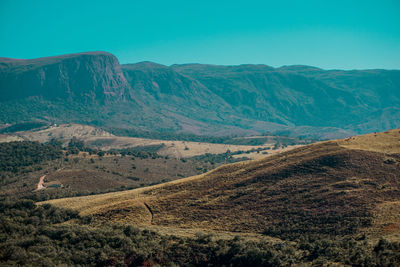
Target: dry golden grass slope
(106, 141)
(386, 142)
(64, 132)
(335, 187)
(9, 138)
(179, 149)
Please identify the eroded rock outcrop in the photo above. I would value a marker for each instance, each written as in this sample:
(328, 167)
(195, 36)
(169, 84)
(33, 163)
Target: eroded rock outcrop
(92, 76)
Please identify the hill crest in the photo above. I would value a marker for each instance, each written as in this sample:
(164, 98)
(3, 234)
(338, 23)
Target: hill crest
(323, 188)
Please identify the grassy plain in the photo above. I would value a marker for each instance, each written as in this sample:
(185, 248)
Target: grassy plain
(103, 140)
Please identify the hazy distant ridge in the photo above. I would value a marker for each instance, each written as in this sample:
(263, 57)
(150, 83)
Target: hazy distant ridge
(203, 99)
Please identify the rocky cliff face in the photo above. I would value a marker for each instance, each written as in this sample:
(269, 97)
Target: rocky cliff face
(202, 99)
(357, 100)
(160, 86)
(93, 76)
(254, 96)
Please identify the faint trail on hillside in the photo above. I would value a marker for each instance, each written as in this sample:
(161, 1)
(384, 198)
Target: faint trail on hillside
(151, 212)
(40, 185)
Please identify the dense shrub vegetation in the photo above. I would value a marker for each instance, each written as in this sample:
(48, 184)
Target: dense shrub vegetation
(26, 162)
(32, 235)
(18, 156)
(142, 152)
(165, 135)
(48, 236)
(75, 145)
(232, 140)
(226, 157)
(23, 126)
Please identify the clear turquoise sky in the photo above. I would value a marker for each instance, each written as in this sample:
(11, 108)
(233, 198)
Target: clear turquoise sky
(328, 34)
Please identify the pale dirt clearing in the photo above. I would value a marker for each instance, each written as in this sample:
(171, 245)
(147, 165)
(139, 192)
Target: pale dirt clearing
(5, 138)
(266, 153)
(105, 141)
(63, 132)
(40, 185)
(386, 142)
(41, 182)
(178, 149)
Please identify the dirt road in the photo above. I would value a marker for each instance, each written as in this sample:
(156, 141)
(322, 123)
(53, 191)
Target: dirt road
(41, 183)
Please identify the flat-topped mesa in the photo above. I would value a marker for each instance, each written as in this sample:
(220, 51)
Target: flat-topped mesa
(91, 76)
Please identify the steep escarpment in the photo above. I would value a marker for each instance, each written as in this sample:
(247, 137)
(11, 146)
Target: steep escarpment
(299, 101)
(358, 100)
(291, 100)
(93, 76)
(190, 103)
(86, 88)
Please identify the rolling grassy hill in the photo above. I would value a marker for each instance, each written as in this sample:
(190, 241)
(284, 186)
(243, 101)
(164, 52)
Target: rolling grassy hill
(334, 188)
(327, 204)
(100, 139)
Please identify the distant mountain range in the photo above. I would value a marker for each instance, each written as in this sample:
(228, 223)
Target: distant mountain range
(93, 88)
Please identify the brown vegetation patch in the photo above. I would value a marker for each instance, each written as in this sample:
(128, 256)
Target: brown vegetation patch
(386, 218)
(83, 179)
(321, 188)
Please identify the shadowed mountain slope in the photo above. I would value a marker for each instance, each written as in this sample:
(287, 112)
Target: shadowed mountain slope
(303, 95)
(93, 88)
(331, 188)
(82, 77)
(87, 88)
